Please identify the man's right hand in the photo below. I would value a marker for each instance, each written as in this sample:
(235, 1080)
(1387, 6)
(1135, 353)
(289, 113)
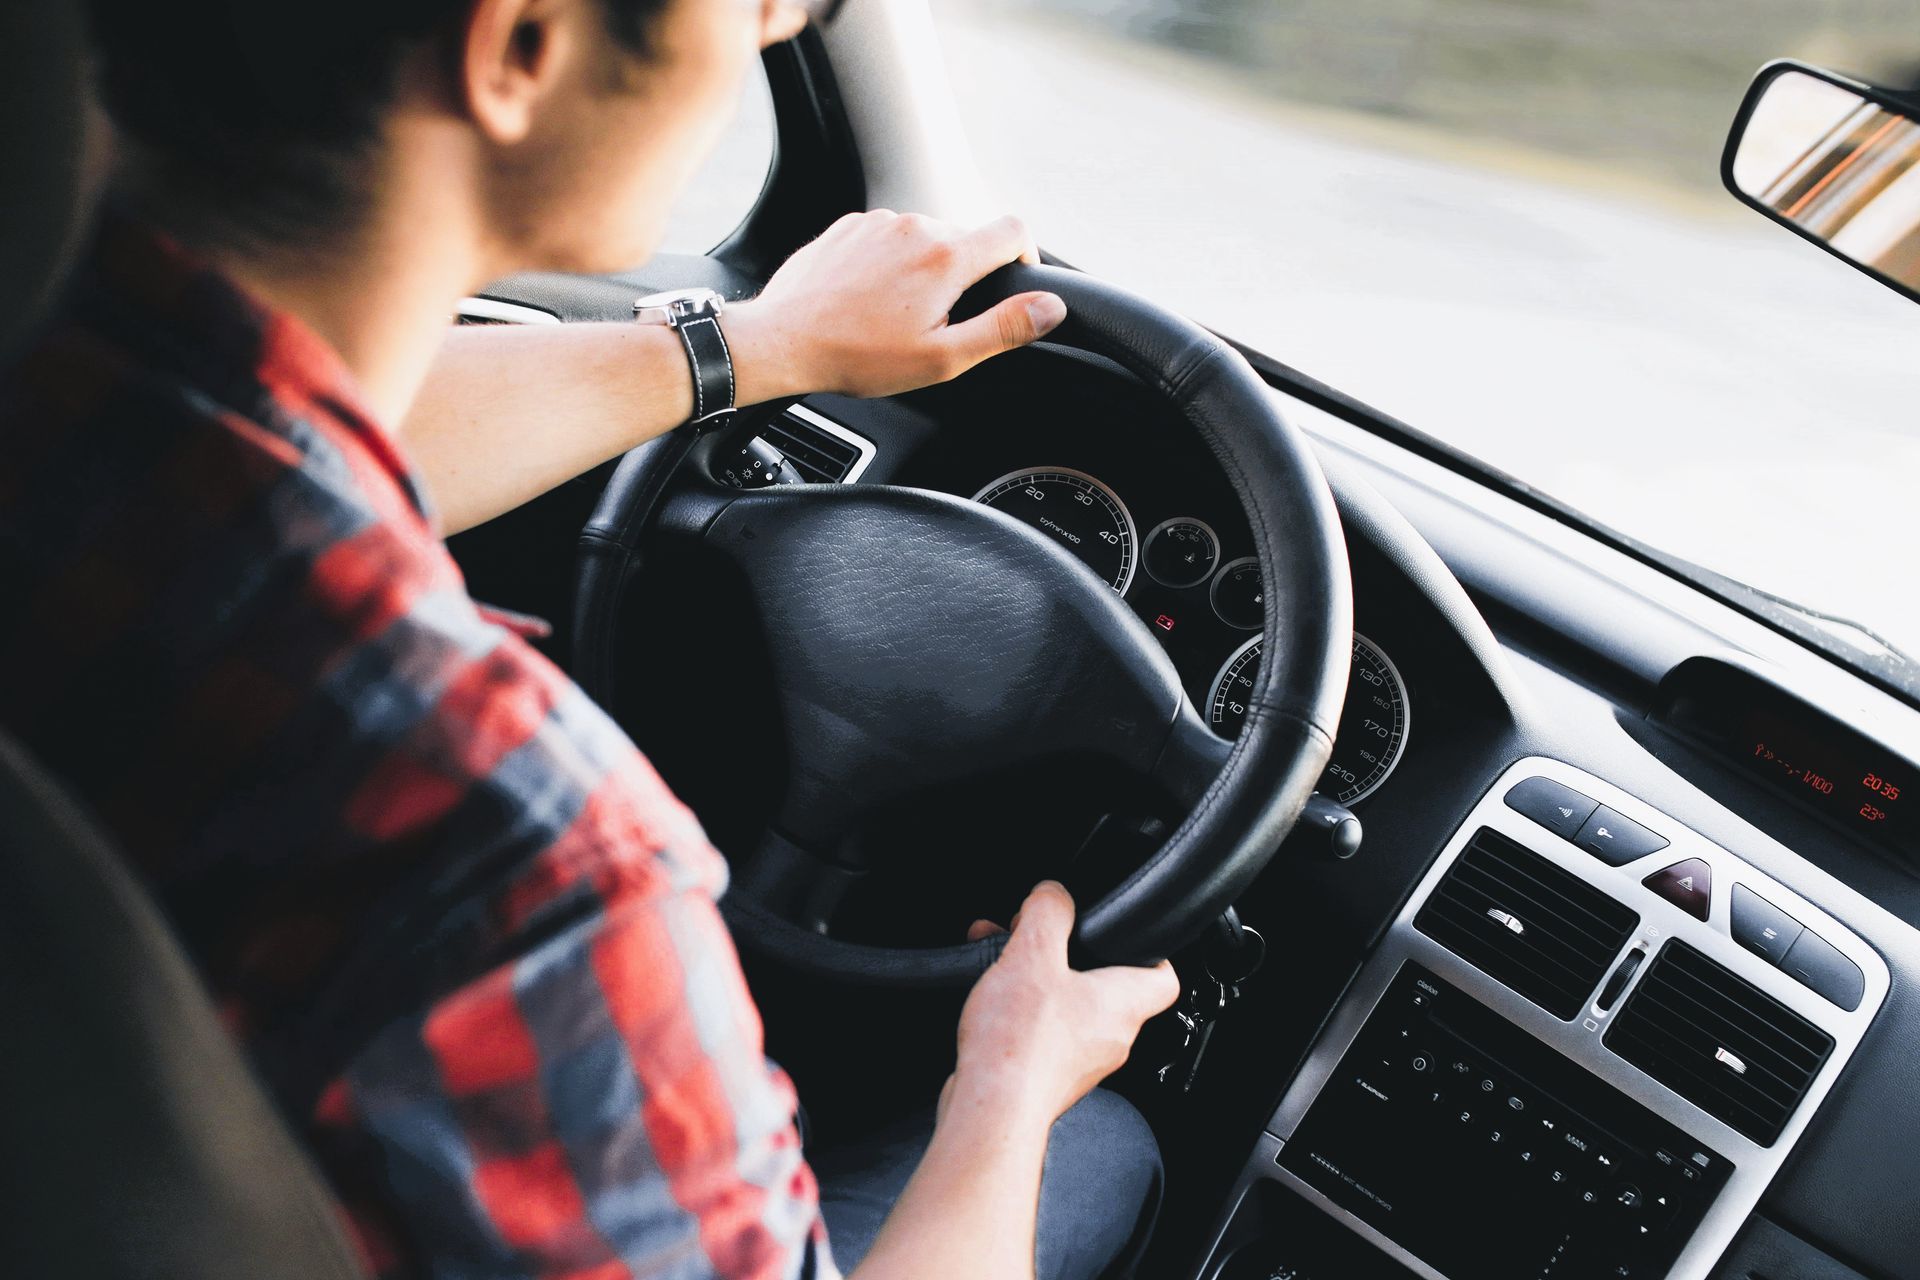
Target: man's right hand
(1036, 1034)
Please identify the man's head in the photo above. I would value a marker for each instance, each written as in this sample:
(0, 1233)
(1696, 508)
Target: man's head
(565, 128)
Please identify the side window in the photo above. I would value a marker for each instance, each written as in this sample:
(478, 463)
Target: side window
(728, 185)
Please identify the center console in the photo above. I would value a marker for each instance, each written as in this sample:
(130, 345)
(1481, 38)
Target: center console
(1587, 1044)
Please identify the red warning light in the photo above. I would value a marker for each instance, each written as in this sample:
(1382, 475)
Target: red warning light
(1164, 622)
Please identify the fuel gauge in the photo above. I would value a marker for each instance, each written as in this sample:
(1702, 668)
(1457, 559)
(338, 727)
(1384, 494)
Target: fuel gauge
(1238, 597)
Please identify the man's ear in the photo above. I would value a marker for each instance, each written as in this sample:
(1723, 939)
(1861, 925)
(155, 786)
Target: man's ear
(780, 20)
(511, 56)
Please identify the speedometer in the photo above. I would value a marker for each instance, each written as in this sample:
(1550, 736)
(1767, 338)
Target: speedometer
(1373, 722)
(1074, 509)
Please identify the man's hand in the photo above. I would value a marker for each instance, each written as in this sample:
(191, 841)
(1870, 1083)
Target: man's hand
(863, 310)
(1036, 1034)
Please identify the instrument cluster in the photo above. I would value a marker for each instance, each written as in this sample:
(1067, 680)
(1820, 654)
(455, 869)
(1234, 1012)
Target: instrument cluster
(1207, 610)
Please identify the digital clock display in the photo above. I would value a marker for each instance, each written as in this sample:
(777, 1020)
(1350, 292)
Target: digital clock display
(1853, 784)
(1798, 751)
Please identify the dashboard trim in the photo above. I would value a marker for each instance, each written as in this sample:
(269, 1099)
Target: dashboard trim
(1581, 1039)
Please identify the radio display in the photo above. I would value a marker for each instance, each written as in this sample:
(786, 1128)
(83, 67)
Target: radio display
(1866, 790)
(1800, 753)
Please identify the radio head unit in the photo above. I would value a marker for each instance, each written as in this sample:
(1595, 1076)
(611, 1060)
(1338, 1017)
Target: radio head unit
(1582, 1050)
(1484, 1153)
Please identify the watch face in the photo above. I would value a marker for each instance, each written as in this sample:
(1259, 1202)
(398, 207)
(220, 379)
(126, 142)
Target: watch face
(677, 303)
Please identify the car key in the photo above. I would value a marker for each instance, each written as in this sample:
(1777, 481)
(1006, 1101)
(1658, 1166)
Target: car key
(1203, 1005)
(1198, 1015)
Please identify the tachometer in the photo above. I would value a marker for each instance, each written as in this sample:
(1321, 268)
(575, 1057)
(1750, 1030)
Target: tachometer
(1077, 511)
(1373, 723)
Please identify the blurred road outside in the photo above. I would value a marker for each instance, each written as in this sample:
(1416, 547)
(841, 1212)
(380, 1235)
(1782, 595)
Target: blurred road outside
(1646, 350)
(1479, 241)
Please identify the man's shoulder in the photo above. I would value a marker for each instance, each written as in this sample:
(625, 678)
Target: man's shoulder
(102, 440)
(186, 526)
(86, 417)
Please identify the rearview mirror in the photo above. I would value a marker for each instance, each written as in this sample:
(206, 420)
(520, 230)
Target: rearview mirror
(1836, 161)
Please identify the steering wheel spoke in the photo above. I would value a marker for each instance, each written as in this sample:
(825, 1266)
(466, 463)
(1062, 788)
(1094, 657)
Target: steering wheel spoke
(1192, 759)
(795, 883)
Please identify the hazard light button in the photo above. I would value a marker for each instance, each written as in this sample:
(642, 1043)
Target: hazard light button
(1687, 885)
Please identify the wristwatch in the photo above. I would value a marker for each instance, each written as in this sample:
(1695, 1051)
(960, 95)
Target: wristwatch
(694, 314)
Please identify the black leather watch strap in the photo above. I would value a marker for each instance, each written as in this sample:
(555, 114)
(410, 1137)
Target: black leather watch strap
(712, 365)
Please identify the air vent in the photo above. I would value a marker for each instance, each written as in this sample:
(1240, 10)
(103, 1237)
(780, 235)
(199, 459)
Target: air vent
(1719, 1042)
(1543, 931)
(823, 452)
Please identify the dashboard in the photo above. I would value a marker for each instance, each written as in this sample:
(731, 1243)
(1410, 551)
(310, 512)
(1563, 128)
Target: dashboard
(1770, 862)
(1589, 1032)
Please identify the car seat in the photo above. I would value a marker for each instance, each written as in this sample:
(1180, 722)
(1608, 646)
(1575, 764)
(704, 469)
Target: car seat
(134, 1140)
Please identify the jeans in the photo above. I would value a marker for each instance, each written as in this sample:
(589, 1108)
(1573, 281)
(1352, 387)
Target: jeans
(1099, 1189)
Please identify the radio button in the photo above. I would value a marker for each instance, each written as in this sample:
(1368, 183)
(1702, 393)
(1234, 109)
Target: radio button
(1814, 962)
(1616, 839)
(1558, 808)
(1760, 926)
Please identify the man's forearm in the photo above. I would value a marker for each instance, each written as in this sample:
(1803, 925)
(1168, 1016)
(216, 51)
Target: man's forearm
(510, 411)
(970, 1208)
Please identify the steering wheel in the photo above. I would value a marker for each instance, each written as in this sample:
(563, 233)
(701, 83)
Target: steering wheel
(919, 638)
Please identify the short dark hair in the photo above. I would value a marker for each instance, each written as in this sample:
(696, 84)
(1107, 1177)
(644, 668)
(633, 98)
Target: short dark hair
(262, 111)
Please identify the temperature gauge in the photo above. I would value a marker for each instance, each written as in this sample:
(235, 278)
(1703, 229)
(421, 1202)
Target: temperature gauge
(1182, 552)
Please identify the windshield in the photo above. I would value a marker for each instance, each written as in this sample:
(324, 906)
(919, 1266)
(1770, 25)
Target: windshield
(1500, 221)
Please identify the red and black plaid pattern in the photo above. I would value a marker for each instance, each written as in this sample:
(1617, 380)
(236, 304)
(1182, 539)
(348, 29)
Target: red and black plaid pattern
(465, 933)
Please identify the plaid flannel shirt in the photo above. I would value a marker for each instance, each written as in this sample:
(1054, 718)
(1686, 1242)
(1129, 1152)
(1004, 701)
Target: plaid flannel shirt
(465, 934)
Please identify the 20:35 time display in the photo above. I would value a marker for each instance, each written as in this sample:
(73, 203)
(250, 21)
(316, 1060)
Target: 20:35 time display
(1874, 782)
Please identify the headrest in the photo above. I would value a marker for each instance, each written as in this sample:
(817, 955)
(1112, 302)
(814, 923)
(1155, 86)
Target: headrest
(49, 163)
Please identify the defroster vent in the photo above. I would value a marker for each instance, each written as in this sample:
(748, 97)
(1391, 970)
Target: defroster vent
(1543, 931)
(1719, 1042)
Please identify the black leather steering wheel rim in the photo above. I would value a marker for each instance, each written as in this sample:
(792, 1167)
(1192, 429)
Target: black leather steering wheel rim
(1241, 815)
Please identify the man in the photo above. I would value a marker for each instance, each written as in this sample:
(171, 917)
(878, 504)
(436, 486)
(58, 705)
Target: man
(467, 937)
